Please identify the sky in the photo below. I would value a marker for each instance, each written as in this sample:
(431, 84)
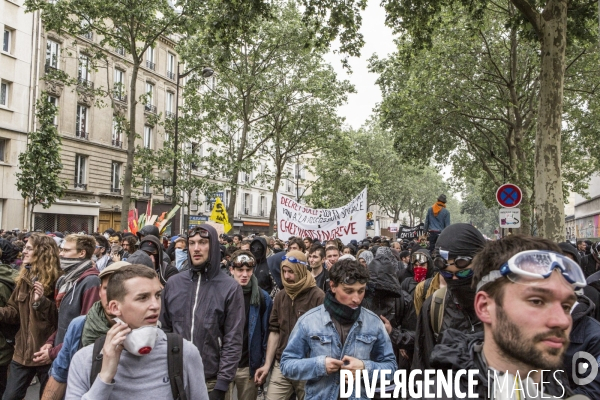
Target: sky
(379, 40)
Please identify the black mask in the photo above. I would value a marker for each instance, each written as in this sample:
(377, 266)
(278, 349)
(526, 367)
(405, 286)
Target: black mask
(463, 293)
(257, 250)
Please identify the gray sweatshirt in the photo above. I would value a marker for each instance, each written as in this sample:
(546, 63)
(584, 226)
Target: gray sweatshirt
(145, 377)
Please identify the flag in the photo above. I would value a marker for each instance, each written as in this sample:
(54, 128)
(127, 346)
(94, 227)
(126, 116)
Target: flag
(219, 214)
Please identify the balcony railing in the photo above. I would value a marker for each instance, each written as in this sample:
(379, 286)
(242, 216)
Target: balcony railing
(80, 186)
(170, 114)
(146, 194)
(117, 143)
(120, 96)
(150, 65)
(168, 197)
(88, 35)
(115, 190)
(82, 135)
(150, 108)
(49, 68)
(85, 83)
(171, 75)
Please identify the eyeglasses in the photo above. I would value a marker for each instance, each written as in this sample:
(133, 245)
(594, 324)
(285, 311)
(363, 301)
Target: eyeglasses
(293, 260)
(243, 260)
(462, 274)
(460, 262)
(351, 280)
(98, 247)
(198, 231)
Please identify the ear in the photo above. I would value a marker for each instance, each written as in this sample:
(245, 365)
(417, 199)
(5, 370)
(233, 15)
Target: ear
(82, 254)
(485, 307)
(114, 308)
(332, 286)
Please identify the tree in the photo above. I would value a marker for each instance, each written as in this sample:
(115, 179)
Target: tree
(39, 166)
(547, 23)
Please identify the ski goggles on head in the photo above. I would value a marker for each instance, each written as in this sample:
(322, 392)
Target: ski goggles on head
(418, 258)
(351, 280)
(243, 260)
(198, 231)
(530, 266)
(293, 260)
(461, 274)
(460, 262)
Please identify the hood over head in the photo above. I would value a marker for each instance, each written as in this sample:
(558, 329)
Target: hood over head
(383, 280)
(153, 241)
(212, 266)
(367, 256)
(259, 254)
(584, 307)
(568, 248)
(9, 251)
(148, 230)
(459, 240)
(430, 268)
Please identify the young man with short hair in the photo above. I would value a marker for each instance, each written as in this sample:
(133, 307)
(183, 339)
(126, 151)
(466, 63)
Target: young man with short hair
(134, 296)
(348, 337)
(332, 255)
(237, 240)
(300, 294)
(257, 305)
(316, 257)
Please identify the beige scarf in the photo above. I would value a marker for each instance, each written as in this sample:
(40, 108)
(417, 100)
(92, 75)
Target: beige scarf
(304, 280)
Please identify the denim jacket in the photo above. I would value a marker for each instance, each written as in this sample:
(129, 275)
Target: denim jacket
(258, 332)
(314, 337)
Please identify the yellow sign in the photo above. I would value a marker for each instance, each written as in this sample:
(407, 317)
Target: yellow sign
(219, 215)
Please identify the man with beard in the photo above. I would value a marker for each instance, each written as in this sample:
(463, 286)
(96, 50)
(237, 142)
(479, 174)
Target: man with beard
(450, 306)
(77, 290)
(524, 295)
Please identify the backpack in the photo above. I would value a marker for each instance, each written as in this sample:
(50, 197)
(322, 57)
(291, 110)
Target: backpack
(9, 331)
(174, 362)
(436, 310)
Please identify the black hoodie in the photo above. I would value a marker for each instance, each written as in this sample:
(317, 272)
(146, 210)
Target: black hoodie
(162, 268)
(261, 271)
(206, 307)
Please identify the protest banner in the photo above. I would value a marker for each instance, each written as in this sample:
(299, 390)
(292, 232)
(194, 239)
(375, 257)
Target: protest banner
(411, 232)
(347, 222)
(219, 215)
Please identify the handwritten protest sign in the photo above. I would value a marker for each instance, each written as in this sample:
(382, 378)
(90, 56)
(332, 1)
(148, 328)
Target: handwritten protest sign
(411, 232)
(347, 222)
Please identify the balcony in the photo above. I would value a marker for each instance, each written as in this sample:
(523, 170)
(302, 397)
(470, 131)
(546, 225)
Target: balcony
(119, 95)
(82, 82)
(150, 65)
(115, 190)
(171, 75)
(150, 108)
(117, 143)
(87, 35)
(120, 51)
(50, 69)
(80, 186)
(82, 135)
(170, 114)
(168, 197)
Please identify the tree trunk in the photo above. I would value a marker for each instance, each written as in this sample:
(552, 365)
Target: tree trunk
(31, 222)
(232, 197)
(131, 134)
(274, 202)
(549, 206)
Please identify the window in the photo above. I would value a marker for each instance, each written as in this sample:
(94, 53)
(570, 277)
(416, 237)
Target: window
(3, 148)
(54, 101)
(117, 134)
(149, 93)
(80, 170)
(81, 123)
(263, 206)
(119, 85)
(247, 204)
(150, 58)
(115, 177)
(83, 73)
(169, 105)
(85, 30)
(226, 200)
(208, 205)
(7, 40)
(171, 66)
(147, 137)
(4, 93)
(52, 54)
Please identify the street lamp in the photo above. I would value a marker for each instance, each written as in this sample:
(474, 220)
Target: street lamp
(206, 73)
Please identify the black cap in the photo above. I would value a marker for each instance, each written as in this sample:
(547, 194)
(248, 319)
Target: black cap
(442, 198)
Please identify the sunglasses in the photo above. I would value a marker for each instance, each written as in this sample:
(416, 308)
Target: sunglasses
(462, 274)
(198, 231)
(243, 260)
(460, 262)
(293, 260)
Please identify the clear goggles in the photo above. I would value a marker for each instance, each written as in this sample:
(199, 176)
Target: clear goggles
(243, 260)
(418, 258)
(529, 266)
(293, 260)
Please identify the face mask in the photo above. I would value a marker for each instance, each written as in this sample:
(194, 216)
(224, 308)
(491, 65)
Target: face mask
(66, 263)
(420, 273)
(463, 292)
(180, 257)
(140, 341)
(257, 251)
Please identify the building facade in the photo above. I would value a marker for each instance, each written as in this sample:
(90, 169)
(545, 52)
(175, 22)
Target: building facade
(587, 211)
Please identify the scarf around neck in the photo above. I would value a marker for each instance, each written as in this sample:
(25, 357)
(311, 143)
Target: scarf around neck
(73, 272)
(252, 287)
(96, 324)
(437, 207)
(343, 314)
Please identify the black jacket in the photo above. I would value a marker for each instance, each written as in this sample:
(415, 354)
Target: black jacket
(161, 266)
(409, 284)
(589, 265)
(460, 351)
(274, 263)
(261, 271)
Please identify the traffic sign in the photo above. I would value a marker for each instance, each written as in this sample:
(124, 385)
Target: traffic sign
(509, 195)
(510, 218)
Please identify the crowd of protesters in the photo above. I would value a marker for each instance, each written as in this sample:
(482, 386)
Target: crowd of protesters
(208, 316)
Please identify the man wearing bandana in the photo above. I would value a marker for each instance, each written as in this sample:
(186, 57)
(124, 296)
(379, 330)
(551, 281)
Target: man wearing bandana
(455, 249)
(339, 335)
(300, 294)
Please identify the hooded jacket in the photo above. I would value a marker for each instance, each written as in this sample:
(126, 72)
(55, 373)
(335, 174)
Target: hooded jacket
(585, 336)
(409, 284)
(206, 307)
(261, 271)
(162, 267)
(7, 283)
(460, 351)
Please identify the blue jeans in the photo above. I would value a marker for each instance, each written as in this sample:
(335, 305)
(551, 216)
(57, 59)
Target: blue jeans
(21, 376)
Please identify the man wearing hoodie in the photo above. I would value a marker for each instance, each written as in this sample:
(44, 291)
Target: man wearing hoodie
(591, 263)
(436, 220)
(206, 306)
(76, 291)
(259, 248)
(152, 230)
(152, 246)
(450, 306)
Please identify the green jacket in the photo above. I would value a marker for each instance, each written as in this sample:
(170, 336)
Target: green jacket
(7, 275)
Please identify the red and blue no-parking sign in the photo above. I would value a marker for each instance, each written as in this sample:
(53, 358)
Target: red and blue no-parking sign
(509, 195)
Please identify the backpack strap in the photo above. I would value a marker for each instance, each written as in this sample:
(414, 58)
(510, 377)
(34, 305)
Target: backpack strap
(175, 364)
(97, 359)
(426, 288)
(436, 316)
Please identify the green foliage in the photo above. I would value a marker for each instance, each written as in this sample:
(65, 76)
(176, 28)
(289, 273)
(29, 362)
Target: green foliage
(40, 165)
